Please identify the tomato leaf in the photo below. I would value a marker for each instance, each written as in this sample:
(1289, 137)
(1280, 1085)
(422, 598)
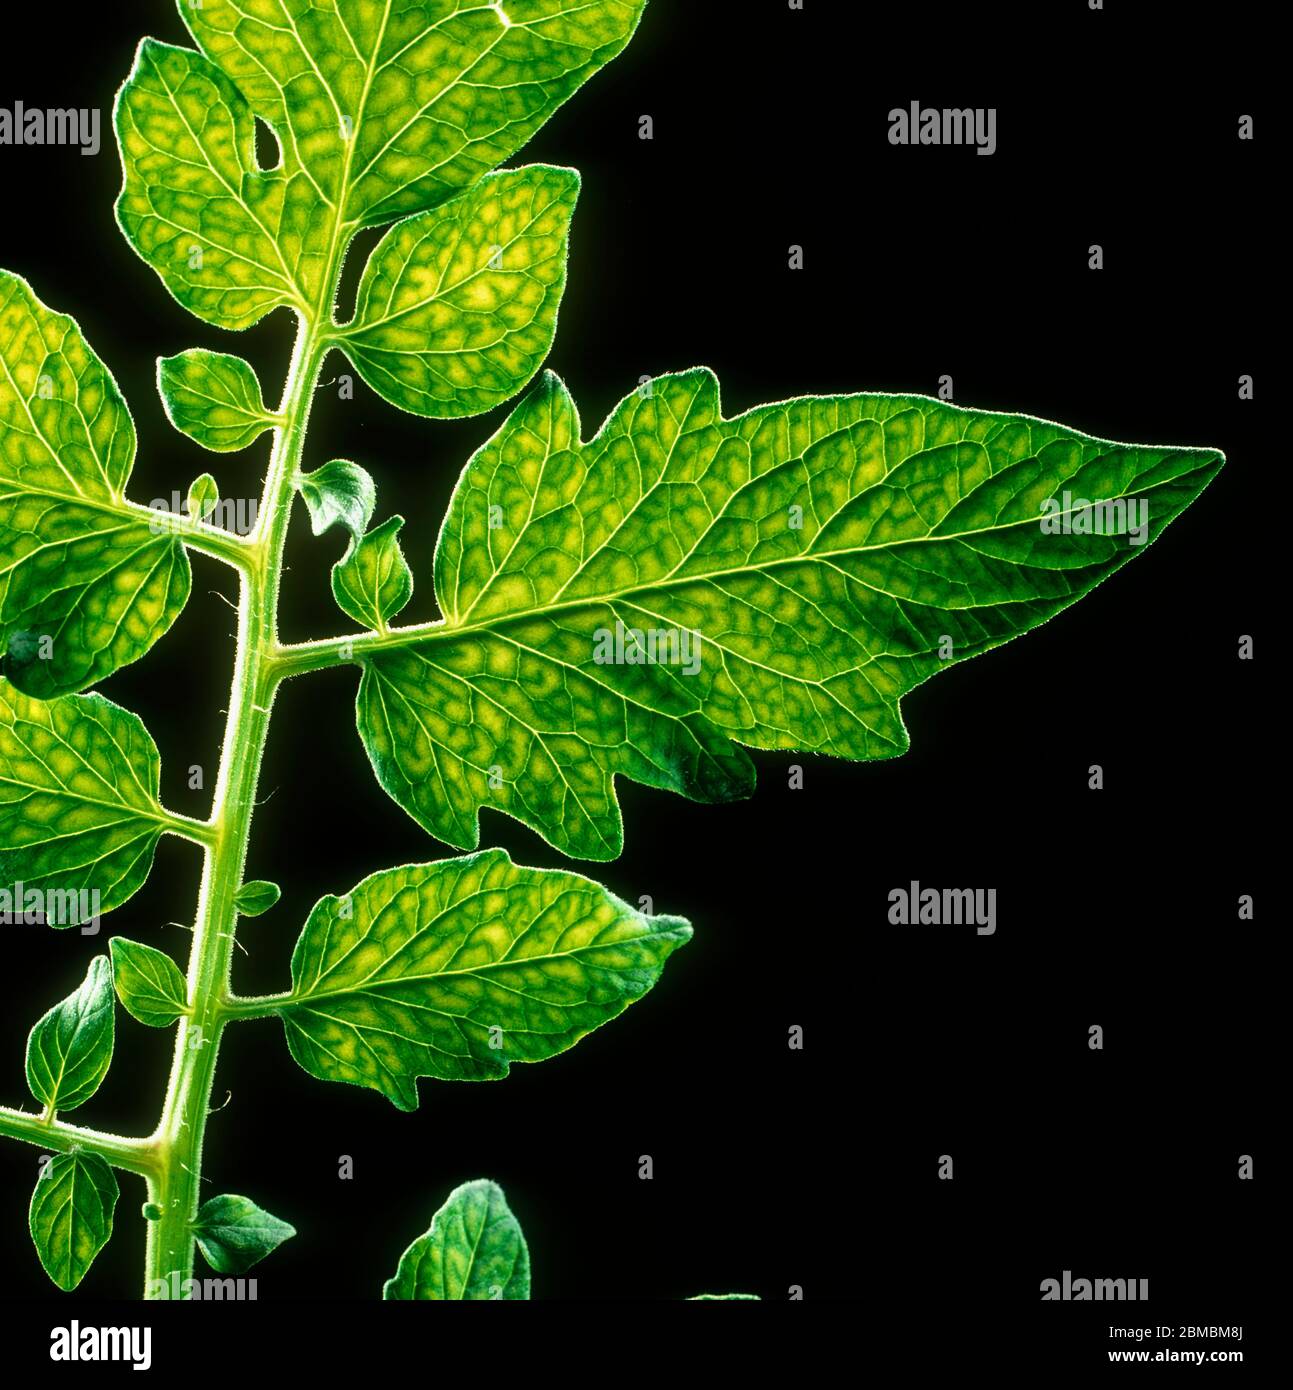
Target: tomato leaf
(458, 969)
(474, 1249)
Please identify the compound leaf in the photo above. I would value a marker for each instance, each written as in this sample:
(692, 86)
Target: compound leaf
(378, 110)
(682, 584)
(234, 1233)
(457, 307)
(70, 1050)
(86, 585)
(457, 969)
(71, 1214)
(475, 1249)
(213, 398)
(149, 983)
(79, 816)
(373, 582)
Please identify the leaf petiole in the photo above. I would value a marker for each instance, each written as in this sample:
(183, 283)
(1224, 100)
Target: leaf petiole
(132, 1155)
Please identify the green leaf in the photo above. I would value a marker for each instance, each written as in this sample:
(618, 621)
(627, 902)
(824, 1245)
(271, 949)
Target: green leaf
(229, 242)
(475, 1249)
(78, 802)
(234, 1233)
(455, 970)
(339, 493)
(257, 895)
(86, 585)
(149, 983)
(392, 109)
(71, 1214)
(457, 307)
(213, 398)
(790, 574)
(373, 582)
(378, 111)
(70, 1050)
(204, 495)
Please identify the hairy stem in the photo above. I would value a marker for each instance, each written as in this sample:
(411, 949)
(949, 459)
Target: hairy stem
(175, 1187)
(134, 1155)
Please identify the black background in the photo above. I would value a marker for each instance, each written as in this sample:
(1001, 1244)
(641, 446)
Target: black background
(776, 1168)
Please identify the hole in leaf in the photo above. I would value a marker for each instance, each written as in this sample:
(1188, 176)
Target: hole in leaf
(268, 154)
(352, 270)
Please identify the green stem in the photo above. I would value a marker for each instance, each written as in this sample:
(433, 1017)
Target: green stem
(179, 1136)
(200, 535)
(134, 1155)
(201, 832)
(255, 1006)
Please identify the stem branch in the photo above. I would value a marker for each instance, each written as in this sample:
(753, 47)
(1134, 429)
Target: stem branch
(180, 1133)
(134, 1155)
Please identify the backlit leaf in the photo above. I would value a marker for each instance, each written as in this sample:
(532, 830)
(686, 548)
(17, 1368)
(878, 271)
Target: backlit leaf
(213, 398)
(204, 495)
(379, 110)
(229, 241)
(71, 1214)
(474, 1249)
(149, 983)
(682, 584)
(339, 493)
(85, 585)
(457, 308)
(255, 896)
(373, 582)
(458, 969)
(70, 1050)
(390, 108)
(79, 817)
(234, 1233)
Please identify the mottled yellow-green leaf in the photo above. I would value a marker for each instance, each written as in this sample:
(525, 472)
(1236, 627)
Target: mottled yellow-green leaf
(71, 1214)
(643, 604)
(79, 816)
(149, 983)
(229, 241)
(86, 586)
(213, 398)
(372, 583)
(474, 1249)
(380, 108)
(458, 969)
(457, 307)
(69, 1050)
(392, 106)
